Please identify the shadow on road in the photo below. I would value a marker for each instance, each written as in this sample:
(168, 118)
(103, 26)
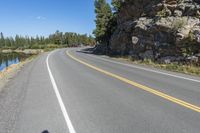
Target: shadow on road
(86, 50)
(96, 51)
(45, 131)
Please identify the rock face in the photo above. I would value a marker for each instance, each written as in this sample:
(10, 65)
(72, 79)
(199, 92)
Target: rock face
(158, 29)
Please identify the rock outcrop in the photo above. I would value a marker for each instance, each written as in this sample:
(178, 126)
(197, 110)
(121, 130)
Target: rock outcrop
(163, 30)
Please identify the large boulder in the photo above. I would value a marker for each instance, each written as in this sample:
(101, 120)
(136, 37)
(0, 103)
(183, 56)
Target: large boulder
(165, 27)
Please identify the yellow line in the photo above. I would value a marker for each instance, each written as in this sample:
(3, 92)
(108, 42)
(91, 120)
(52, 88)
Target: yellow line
(140, 86)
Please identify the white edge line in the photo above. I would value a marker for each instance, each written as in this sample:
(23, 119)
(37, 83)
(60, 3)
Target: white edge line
(146, 69)
(62, 106)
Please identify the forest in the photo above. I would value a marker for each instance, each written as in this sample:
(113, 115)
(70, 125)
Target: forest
(55, 40)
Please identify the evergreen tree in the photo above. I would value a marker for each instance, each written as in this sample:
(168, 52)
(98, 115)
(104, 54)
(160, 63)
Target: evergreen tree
(2, 40)
(103, 22)
(57, 39)
(117, 5)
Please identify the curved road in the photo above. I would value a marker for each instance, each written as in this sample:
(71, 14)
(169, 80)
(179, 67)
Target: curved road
(76, 92)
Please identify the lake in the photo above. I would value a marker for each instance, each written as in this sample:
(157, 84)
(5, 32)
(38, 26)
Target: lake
(11, 58)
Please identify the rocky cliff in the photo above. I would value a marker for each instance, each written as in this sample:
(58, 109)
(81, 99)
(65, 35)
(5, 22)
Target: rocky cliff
(163, 30)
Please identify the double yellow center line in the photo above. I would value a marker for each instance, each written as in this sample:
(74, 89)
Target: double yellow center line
(140, 86)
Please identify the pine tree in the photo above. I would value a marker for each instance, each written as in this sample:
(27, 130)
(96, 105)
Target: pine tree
(117, 5)
(103, 22)
(2, 40)
(58, 38)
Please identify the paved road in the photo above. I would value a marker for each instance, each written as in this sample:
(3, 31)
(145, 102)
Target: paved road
(84, 93)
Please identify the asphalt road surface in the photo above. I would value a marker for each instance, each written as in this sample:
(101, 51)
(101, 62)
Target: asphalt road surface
(71, 91)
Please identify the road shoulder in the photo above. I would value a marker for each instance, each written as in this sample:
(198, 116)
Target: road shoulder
(9, 73)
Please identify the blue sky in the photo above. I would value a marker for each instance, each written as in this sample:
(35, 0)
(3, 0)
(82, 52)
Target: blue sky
(43, 17)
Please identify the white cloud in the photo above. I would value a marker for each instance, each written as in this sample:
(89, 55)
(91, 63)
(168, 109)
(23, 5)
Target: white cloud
(41, 18)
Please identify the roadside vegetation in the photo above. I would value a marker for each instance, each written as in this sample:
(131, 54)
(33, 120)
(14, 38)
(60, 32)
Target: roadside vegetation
(56, 40)
(14, 50)
(190, 69)
(105, 22)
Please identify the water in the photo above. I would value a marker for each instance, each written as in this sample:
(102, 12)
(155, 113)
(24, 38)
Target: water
(9, 59)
